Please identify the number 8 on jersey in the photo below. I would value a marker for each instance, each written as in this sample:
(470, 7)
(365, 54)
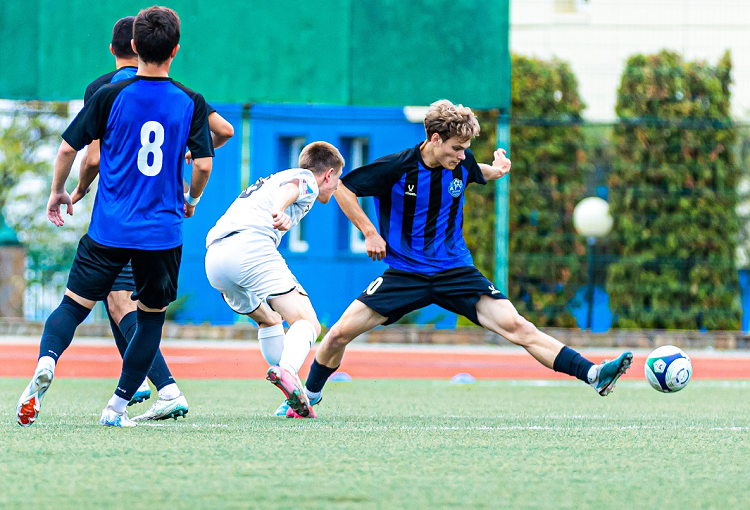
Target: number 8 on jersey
(149, 147)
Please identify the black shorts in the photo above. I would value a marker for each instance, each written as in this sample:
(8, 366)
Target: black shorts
(125, 280)
(396, 293)
(96, 268)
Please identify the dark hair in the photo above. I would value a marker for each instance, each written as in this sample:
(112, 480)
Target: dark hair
(320, 156)
(122, 34)
(156, 32)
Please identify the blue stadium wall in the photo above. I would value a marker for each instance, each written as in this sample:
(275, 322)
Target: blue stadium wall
(324, 253)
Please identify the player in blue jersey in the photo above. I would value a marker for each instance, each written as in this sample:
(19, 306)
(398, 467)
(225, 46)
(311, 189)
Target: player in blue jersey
(419, 194)
(144, 124)
(121, 310)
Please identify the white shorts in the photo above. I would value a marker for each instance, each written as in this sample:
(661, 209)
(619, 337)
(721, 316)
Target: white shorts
(248, 269)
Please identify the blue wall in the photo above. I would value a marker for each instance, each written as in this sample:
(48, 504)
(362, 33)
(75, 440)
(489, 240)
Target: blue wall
(329, 270)
(201, 302)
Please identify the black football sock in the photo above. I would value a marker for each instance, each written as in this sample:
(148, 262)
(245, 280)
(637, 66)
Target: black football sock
(159, 373)
(140, 352)
(120, 340)
(60, 327)
(570, 362)
(319, 374)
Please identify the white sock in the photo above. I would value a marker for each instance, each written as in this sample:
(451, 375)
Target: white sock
(297, 344)
(118, 404)
(593, 374)
(311, 394)
(143, 386)
(169, 392)
(47, 362)
(271, 343)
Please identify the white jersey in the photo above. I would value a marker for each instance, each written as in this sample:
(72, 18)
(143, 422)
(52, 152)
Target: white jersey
(252, 211)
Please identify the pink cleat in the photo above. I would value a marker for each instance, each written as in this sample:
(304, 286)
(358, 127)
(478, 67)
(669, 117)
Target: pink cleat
(291, 414)
(291, 387)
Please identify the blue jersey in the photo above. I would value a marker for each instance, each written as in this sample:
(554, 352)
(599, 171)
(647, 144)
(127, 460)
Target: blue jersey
(123, 73)
(144, 125)
(420, 209)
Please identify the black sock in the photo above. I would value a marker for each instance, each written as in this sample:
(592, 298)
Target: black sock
(140, 352)
(319, 374)
(159, 373)
(570, 362)
(60, 327)
(120, 341)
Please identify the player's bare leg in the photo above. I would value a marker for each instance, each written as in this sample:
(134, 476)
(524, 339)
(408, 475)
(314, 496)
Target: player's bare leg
(357, 319)
(501, 317)
(120, 304)
(304, 329)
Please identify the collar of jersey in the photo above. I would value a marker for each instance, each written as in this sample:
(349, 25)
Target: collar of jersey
(152, 78)
(421, 161)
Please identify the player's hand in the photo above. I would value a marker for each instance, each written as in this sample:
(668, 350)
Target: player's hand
(281, 221)
(501, 162)
(188, 157)
(189, 210)
(53, 207)
(78, 194)
(375, 246)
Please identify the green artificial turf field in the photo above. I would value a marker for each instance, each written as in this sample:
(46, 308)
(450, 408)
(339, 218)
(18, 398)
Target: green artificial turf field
(390, 444)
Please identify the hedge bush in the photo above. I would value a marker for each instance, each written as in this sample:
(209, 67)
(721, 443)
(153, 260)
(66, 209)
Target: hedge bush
(673, 196)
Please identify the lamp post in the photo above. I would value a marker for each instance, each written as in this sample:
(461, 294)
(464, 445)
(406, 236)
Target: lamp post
(591, 218)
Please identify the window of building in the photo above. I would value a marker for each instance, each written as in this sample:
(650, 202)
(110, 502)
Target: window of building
(290, 149)
(358, 157)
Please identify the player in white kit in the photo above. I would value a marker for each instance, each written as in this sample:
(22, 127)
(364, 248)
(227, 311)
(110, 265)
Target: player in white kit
(244, 264)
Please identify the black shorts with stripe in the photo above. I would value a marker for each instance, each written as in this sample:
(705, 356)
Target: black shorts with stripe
(125, 280)
(396, 293)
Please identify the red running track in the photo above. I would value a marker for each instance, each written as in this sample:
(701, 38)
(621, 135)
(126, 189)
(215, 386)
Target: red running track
(207, 360)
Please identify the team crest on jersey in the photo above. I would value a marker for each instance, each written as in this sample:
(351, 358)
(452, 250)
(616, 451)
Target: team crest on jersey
(456, 187)
(306, 189)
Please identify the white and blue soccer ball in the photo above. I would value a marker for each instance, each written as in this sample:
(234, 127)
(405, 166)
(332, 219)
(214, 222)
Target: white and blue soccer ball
(668, 369)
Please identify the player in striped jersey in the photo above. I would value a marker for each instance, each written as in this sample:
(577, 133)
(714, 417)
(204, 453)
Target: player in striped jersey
(419, 194)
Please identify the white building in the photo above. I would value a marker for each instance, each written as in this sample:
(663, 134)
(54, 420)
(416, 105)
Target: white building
(597, 36)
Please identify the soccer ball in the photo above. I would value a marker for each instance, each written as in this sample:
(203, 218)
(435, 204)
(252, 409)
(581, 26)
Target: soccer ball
(668, 369)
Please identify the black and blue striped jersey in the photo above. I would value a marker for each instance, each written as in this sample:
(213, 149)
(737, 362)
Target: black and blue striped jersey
(420, 209)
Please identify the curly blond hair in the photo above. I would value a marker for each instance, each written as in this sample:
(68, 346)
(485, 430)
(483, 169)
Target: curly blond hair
(449, 120)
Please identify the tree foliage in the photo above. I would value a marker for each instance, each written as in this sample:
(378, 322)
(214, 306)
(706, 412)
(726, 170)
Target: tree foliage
(673, 196)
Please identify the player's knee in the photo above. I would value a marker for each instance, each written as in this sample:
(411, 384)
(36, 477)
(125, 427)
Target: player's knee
(337, 338)
(522, 332)
(119, 305)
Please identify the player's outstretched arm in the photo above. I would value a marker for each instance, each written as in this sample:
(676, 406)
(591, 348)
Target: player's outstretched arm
(499, 168)
(89, 171)
(198, 180)
(347, 200)
(63, 162)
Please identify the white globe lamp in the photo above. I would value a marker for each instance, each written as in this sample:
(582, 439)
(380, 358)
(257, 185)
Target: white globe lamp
(591, 217)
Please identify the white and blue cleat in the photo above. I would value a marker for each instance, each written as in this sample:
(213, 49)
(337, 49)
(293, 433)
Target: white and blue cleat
(165, 409)
(141, 395)
(609, 372)
(111, 418)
